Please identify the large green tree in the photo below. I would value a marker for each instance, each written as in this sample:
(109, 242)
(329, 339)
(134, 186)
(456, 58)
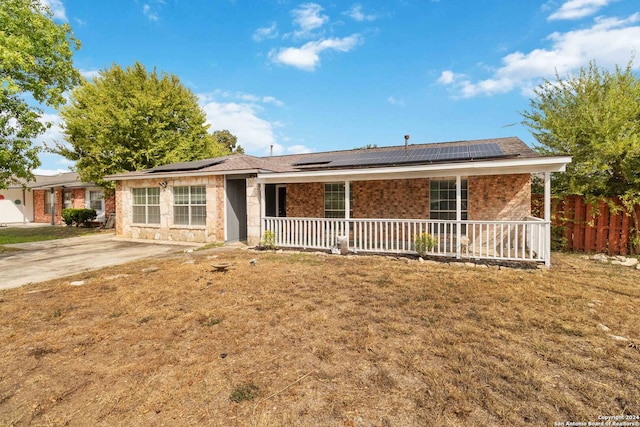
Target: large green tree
(593, 116)
(36, 68)
(130, 119)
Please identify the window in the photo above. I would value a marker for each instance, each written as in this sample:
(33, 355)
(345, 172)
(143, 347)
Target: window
(334, 202)
(146, 205)
(67, 199)
(189, 205)
(48, 197)
(96, 199)
(442, 199)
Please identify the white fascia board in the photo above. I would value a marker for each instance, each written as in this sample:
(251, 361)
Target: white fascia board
(178, 174)
(493, 167)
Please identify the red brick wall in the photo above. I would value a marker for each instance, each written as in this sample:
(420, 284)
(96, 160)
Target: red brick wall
(499, 197)
(305, 200)
(77, 196)
(403, 199)
(38, 207)
(495, 197)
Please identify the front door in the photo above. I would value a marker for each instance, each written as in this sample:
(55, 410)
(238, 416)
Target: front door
(236, 210)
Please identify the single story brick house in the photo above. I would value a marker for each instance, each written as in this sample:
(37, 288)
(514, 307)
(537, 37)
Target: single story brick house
(52, 193)
(471, 198)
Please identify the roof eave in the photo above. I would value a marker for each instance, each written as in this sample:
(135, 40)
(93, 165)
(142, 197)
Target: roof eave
(180, 174)
(486, 167)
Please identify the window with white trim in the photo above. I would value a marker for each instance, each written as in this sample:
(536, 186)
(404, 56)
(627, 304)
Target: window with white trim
(146, 205)
(334, 200)
(48, 197)
(189, 205)
(442, 199)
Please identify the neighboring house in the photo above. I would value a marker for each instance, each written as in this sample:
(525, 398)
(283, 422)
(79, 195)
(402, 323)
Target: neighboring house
(53, 193)
(473, 198)
(16, 205)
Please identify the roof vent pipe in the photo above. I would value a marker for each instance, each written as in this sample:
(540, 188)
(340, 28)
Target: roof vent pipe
(406, 141)
(271, 152)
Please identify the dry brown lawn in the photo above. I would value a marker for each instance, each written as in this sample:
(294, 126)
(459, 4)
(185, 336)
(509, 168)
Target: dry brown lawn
(302, 339)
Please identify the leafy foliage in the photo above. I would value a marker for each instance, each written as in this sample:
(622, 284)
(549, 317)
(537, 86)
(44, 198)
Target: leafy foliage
(35, 63)
(79, 217)
(228, 141)
(424, 243)
(595, 117)
(269, 240)
(130, 119)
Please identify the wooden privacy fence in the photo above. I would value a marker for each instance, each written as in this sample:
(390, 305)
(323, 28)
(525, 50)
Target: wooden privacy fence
(585, 227)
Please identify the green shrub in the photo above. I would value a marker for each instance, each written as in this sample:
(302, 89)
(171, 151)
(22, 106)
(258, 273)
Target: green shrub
(269, 240)
(424, 243)
(79, 217)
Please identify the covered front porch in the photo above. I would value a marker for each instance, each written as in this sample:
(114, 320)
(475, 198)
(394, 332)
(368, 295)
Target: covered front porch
(472, 224)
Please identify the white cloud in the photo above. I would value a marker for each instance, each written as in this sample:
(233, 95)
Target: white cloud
(307, 57)
(610, 42)
(395, 101)
(447, 77)
(51, 135)
(308, 17)
(149, 12)
(50, 172)
(57, 9)
(89, 74)
(272, 100)
(269, 32)
(576, 9)
(242, 119)
(357, 14)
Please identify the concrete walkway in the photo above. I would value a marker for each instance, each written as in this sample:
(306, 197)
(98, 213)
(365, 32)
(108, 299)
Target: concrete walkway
(52, 259)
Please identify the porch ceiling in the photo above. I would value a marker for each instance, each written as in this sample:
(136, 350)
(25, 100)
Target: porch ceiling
(475, 168)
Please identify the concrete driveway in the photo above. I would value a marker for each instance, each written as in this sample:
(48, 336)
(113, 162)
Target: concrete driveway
(40, 261)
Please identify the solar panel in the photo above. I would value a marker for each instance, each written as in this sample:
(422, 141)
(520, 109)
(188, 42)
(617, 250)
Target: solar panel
(485, 150)
(460, 152)
(186, 166)
(407, 156)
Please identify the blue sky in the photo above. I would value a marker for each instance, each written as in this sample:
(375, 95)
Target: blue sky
(326, 75)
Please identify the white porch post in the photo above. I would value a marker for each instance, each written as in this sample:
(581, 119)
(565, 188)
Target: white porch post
(263, 208)
(547, 218)
(53, 206)
(347, 199)
(458, 215)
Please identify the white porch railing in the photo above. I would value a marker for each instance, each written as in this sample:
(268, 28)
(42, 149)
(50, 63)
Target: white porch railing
(498, 240)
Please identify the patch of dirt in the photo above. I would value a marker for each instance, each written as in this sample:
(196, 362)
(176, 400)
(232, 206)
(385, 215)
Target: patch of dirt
(302, 339)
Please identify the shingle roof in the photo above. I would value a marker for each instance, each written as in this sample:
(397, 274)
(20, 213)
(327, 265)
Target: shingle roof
(65, 179)
(509, 147)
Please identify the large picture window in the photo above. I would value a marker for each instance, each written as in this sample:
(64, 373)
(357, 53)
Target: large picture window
(189, 205)
(442, 199)
(146, 205)
(334, 200)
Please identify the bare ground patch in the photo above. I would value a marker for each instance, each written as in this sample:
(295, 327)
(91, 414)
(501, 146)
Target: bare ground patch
(301, 339)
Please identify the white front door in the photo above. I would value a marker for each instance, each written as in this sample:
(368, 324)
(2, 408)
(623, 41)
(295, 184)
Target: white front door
(94, 199)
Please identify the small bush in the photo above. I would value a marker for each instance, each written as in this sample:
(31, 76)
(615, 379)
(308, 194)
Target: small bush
(269, 240)
(424, 243)
(79, 217)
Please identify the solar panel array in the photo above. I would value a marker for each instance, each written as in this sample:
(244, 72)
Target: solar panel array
(186, 166)
(411, 155)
